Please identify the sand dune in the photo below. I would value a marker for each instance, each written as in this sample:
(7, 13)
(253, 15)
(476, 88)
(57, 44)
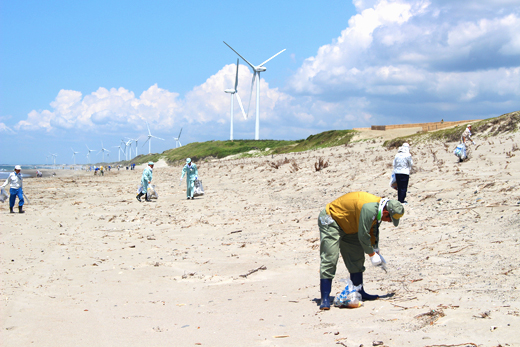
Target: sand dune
(88, 265)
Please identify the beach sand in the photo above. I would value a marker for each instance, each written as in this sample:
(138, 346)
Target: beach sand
(88, 265)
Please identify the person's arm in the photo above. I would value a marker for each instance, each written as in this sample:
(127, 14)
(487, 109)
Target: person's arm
(183, 172)
(366, 217)
(6, 181)
(410, 161)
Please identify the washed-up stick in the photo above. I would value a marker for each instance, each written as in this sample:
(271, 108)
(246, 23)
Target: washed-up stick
(237, 231)
(253, 271)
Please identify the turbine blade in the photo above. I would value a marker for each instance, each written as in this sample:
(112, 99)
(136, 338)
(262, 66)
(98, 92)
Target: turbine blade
(240, 103)
(236, 79)
(149, 133)
(179, 134)
(271, 57)
(252, 66)
(145, 142)
(158, 138)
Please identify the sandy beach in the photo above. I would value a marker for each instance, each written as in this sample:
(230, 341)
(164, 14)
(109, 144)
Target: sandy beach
(88, 265)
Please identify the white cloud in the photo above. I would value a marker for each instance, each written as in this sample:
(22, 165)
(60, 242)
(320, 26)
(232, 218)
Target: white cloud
(418, 52)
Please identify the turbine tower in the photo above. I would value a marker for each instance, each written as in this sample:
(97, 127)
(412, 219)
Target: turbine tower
(234, 92)
(149, 139)
(88, 154)
(177, 140)
(256, 71)
(74, 155)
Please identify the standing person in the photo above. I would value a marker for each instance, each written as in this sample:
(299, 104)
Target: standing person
(350, 225)
(146, 179)
(102, 170)
(402, 164)
(15, 180)
(192, 174)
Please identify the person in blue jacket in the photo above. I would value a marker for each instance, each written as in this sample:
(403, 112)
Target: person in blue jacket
(192, 174)
(146, 179)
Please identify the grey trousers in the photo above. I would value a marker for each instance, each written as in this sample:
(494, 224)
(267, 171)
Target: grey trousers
(334, 241)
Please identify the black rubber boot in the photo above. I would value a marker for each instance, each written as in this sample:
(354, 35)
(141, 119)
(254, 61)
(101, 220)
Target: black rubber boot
(138, 197)
(11, 210)
(146, 198)
(325, 287)
(357, 279)
(20, 209)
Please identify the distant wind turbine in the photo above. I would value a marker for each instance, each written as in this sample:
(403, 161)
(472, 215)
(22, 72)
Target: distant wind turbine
(136, 141)
(256, 71)
(88, 153)
(177, 140)
(149, 139)
(103, 149)
(119, 152)
(53, 158)
(74, 155)
(235, 92)
(129, 144)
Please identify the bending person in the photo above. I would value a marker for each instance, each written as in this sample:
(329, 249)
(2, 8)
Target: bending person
(350, 225)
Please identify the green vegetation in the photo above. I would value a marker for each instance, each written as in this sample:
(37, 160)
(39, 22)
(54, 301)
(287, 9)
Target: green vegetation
(247, 148)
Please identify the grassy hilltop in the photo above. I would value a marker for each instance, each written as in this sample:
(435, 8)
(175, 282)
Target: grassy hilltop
(248, 148)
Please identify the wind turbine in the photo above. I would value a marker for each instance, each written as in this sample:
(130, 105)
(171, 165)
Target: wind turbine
(88, 153)
(119, 152)
(136, 141)
(129, 144)
(177, 142)
(53, 158)
(234, 92)
(103, 149)
(148, 139)
(74, 155)
(256, 71)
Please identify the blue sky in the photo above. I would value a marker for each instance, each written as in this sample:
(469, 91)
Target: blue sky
(75, 74)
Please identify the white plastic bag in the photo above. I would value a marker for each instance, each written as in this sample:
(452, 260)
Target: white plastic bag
(139, 188)
(3, 195)
(199, 190)
(460, 151)
(151, 192)
(350, 296)
(393, 182)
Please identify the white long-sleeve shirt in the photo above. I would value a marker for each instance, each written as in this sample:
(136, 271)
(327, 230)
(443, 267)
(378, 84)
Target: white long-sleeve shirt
(15, 180)
(403, 161)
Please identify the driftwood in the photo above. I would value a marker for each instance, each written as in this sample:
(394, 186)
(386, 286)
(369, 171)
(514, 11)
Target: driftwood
(255, 270)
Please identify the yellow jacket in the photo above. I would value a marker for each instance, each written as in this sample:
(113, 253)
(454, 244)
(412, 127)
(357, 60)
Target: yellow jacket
(352, 218)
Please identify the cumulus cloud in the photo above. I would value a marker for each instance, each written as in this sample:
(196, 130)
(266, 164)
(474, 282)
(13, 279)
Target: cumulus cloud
(431, 52)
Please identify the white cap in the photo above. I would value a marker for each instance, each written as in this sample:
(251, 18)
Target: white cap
(17, 167)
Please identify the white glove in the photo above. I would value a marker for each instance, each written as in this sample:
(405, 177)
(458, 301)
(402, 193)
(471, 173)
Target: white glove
(375, 259)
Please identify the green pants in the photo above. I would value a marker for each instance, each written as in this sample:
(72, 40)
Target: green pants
(333, 240)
